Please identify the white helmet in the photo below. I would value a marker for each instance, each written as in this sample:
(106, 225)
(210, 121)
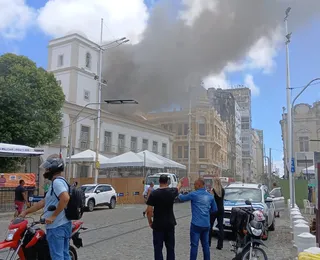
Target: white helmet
(259, 216)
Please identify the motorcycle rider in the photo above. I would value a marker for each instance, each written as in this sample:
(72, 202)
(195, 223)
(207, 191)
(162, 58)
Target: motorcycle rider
(57, 225)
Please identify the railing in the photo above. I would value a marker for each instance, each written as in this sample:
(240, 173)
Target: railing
(7, 196)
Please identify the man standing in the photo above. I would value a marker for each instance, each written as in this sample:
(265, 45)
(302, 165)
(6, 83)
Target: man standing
(57, 225)
(202, 205)
(20, 197)
(150, 189)
(160, 206)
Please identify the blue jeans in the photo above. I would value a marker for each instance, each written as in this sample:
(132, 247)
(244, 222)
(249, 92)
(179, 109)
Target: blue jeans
(58, 240)
(199, 233)
(166, 237)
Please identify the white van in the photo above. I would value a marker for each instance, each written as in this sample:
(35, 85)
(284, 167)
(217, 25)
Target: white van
(173, 181)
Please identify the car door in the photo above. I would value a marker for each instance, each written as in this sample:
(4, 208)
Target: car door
(278, 199)
(99, 194)
(269, 206)
(108, 194)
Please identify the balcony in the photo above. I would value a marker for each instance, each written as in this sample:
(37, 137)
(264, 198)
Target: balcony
(84, 144)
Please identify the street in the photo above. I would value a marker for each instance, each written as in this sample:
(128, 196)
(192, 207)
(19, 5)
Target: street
(123, 234)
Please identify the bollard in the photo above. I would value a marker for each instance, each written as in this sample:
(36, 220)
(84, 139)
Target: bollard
(313, 250)
(294, 217)
(298, 221)
(305, 241)
(299, 229)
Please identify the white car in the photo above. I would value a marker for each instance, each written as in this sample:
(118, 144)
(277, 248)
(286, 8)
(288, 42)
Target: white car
(99, 195)
(237, 193)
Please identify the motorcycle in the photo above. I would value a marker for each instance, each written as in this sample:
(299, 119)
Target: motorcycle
(248, 235)
(28, 242)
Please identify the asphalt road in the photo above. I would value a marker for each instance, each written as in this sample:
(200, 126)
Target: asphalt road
(123, 234)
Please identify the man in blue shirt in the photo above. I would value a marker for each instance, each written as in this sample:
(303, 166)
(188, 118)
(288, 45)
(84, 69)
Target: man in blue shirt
(202, 204)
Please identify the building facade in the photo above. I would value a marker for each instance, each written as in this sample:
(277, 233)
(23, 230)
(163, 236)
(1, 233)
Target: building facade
(208, 138)
(239, 170)
(243, 98)
(306, 127)
(74, 61)
(224, 103)
(257, 155)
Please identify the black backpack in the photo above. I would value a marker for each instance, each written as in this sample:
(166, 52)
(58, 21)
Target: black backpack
(76, 204)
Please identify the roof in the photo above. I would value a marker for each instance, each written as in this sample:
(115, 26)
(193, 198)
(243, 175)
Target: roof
(14, 150)
(246, 185)
(161, 173)
(87, 156)
(96, 184)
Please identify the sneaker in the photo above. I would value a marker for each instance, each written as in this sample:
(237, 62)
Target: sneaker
(144, 214)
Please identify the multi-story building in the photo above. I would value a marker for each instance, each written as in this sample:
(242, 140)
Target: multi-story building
(74, 61)
(226, 105)
(306, 126)
(239, 169)
(208, 137)
(243, 98)
(257, 155)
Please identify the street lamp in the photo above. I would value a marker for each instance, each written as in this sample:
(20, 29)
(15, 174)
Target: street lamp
(290, 144)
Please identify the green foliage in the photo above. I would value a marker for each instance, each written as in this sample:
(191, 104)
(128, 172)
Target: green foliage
(30, 103)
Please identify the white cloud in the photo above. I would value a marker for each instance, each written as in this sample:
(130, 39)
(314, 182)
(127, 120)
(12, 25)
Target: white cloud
(216, 81)
(122, 18)
(15, 18)
(248, 82)
(278, 165)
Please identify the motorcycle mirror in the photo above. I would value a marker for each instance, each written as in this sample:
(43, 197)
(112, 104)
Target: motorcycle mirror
(248, 202)
(52, 208)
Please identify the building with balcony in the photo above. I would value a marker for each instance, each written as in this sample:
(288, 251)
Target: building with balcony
(239, 170)
(73, 59)
(208, 137)
(306, 126)
(257, 155)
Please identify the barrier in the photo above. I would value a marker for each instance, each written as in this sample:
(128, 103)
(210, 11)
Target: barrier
(305, 241)
(299, 229)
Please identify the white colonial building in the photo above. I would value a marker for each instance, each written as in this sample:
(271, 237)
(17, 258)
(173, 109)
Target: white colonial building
(74, 61)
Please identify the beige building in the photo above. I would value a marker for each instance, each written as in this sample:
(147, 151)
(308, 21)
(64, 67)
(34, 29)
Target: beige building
(257, 155)
(306, 126)
(208, 138)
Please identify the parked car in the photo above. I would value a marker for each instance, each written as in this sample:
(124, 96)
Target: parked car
(99, 195)
(237, 193)
(278, 200)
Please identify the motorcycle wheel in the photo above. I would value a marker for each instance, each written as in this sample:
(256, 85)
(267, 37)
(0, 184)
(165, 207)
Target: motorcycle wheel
(73, 253)
(246, 254)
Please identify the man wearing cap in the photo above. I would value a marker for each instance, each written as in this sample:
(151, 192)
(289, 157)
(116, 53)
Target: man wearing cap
(161, 218)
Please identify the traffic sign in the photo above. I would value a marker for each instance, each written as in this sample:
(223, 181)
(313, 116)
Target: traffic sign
(97, 165)
(292, 165)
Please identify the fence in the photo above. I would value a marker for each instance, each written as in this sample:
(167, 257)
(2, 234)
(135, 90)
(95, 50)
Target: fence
(129, 190)
(301, 190)
(7, 196)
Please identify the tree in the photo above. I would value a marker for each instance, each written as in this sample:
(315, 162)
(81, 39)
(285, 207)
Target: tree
(30, 104)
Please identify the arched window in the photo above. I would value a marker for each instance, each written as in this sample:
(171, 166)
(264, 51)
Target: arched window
(88, 60)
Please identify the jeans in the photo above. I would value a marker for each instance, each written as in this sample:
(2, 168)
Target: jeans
(199, 233)
(166, 237)
(59, 239)
(219, 217)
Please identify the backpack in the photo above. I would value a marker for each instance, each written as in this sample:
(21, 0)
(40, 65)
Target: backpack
(76, 204)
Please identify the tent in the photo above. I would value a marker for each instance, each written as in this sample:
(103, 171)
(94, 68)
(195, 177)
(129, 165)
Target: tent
(309, 170)
(14, 150)
(166, 162)
(87, 156)
(131, 159)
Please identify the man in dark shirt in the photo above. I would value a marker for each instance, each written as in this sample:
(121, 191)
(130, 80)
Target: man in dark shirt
(20, 198)
(160, 207)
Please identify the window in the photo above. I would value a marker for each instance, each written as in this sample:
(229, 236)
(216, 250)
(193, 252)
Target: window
(243, 194)
(186, 129)
(133, 144)
(155, 147)
(179, 152)
(86, 95)
(59, 82)
(244, 125)
(201, 152)
(88, 60)
(145, 144)
(121, 143)
(84, 137)
(83, 172)
(107, 141)
(304, 144)
(164, 150)
(179, 129)
(276, 193)
(60, 60)
(186, 152)
(202, 126)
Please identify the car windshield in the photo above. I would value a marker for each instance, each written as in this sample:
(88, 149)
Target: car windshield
(155, 180)
(243, 194)
(87, 189)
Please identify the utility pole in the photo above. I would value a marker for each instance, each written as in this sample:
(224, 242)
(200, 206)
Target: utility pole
(270, 168)
(289, 115)
(189, 135)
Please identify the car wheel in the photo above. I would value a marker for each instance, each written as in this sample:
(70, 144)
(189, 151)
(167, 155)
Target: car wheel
(90, 205)
(273, 225)
(112, 203)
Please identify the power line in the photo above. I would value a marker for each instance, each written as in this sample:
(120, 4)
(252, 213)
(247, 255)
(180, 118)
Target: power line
(315, 83)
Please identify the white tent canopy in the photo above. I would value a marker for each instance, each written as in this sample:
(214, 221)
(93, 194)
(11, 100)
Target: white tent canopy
(14, 150)
(166, 162)
(131, 159)
(309, 170)
(87, 156)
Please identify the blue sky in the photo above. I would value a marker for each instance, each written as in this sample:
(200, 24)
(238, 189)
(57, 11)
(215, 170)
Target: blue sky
(266, 107)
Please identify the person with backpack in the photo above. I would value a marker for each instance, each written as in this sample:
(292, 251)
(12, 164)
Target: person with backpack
(58, 224)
